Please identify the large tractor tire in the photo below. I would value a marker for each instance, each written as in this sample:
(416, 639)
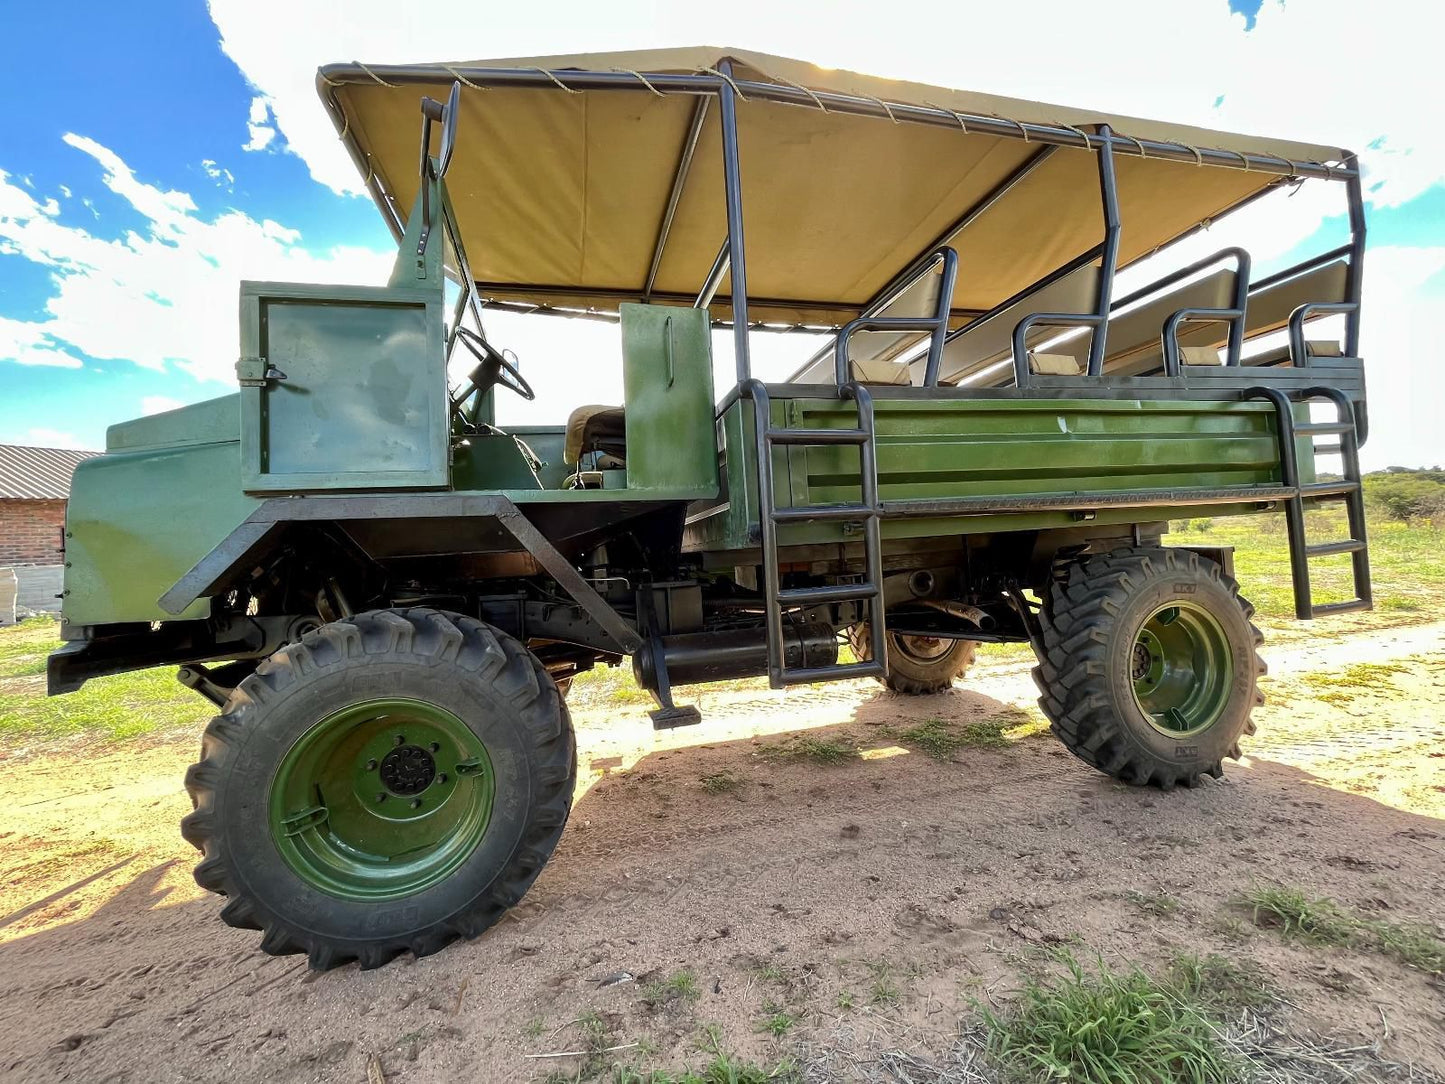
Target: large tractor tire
(1149, 668)
(392, 782)
(917, 665)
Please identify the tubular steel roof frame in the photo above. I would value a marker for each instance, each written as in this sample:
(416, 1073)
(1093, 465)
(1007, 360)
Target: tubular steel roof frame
(721, 83)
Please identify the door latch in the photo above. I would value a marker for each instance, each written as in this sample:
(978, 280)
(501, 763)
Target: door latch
(255, 372)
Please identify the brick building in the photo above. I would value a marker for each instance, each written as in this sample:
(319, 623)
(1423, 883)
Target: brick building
(34, 486)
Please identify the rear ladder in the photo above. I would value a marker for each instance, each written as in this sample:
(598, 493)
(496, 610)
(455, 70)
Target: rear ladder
(1348, 489)
(868, 511)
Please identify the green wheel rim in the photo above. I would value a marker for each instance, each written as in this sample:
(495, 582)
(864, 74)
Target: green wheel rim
(381, 799)
(1182, 669)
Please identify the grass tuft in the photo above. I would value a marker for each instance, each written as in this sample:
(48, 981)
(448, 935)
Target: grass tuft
(1123, 1028)
(940, 739)
(777, 1021)
(1300, 916)
(828, 751)
(723, 782)
(679, 987)
(1323, 922)
(1221, 984)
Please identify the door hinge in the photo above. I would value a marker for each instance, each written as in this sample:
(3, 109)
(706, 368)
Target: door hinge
(253, 372)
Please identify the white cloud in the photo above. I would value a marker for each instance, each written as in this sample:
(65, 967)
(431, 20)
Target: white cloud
(164, 294)
(1171, 60)
(41, 437)
(259, 126)
(159, 404)
(30, 344)
(220, 174)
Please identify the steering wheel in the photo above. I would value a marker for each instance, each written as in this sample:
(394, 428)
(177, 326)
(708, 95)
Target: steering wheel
(493, 369)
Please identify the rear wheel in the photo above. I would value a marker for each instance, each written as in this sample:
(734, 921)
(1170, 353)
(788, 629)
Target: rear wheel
(391, 783)
(1149, 669)
(916, 664)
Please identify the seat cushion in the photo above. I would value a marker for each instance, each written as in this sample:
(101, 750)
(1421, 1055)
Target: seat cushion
(595, 428)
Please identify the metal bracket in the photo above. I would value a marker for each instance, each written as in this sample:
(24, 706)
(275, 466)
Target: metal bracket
(254, 372)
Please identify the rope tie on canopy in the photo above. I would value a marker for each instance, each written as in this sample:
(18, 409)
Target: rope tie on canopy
(1198, 154)
(886, 109)
(345, 124)
(1137, 145)
(1077, 131)
(459, 77)
(329, 81)
(373, 74)
(640, 78)
(553, 76)
(727, 79)
(799, 86)
(952, 113)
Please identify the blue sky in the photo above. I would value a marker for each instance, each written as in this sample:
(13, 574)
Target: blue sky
(133, 198)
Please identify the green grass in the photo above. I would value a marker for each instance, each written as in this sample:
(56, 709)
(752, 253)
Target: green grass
(723, 782)
(1157, 904)
(1300, 916)
(721, 1068)
(1320, 921)
(679, 987)
(1109, 1027)
(837, 749)
(1407, 563)
(1221, 984)
(883, 990)
(111, 708)
(940, 739)
(776, 1021)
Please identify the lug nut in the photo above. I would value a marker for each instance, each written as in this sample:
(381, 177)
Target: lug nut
(400, 739)
(436, 747)
(416, 803)
(442, 778)
(371, 765)
(381, 797)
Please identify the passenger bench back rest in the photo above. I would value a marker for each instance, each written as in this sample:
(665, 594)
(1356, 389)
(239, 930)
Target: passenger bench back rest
(1133, 344)
(991, 342)
(1268, 310)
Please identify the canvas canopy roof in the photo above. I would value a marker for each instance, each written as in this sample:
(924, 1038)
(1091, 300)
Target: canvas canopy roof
(561, 183)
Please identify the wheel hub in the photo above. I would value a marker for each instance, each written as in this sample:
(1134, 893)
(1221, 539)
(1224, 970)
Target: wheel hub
(381, 799)
(1182, 669)
(408, 770)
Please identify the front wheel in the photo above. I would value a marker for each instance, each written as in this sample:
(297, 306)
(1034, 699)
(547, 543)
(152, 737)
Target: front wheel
(390, 783)
(917, 665)
(1148, 669)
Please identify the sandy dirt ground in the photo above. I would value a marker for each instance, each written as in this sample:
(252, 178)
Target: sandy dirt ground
(874, 902)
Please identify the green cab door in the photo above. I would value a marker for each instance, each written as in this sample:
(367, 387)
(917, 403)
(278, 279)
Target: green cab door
(342, 387)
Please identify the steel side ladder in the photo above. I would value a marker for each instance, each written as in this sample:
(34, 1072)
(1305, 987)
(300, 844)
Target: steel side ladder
(1348, 489)
(868, 511)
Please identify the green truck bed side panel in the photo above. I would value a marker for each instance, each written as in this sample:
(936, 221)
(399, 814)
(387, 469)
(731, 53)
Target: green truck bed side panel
(990, 447)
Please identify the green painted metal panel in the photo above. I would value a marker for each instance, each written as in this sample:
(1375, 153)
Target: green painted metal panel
(546, 443)
(940, 448)
(667, 381)
(363, 400)
(139, 519)
(492, 462)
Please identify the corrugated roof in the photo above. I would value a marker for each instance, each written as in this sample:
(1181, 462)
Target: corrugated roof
(37, 474)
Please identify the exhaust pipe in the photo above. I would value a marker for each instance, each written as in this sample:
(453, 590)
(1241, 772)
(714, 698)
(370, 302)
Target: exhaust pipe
(695, 657)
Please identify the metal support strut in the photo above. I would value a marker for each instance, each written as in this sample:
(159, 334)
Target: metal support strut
(868, 511)
(1347, 489)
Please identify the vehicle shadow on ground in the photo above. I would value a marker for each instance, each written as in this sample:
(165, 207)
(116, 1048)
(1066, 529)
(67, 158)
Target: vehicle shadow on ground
(935, 863)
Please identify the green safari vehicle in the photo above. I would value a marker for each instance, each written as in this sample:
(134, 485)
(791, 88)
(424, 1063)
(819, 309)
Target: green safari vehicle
(387, 596)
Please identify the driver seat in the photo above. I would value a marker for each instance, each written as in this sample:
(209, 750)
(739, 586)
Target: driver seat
(596, 429)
